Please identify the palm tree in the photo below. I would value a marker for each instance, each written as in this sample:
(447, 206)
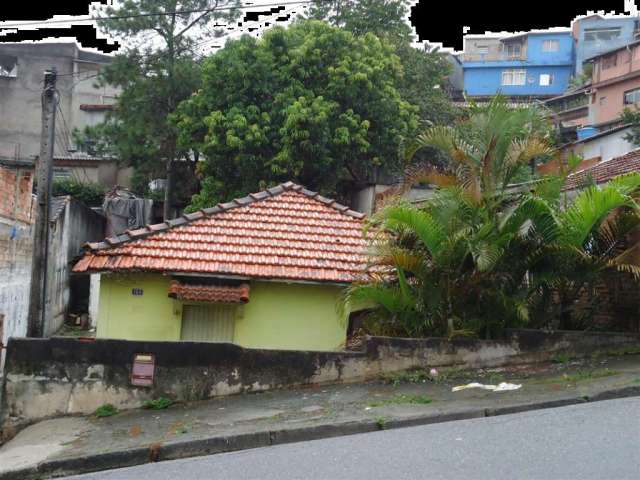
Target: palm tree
(580, 244)
(479, 255)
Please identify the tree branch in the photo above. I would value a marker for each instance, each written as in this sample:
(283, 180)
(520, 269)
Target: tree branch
(200, 17)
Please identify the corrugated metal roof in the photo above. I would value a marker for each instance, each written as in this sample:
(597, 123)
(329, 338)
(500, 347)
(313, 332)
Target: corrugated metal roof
(286, 232)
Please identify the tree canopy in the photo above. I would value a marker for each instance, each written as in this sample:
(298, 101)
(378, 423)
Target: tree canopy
(310, 103)
(425, 70)
(158, 69)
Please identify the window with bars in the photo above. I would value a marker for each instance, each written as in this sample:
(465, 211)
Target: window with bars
(609, 61)
(513, 50)
(632, 96)
(513, 77)
(550, 45)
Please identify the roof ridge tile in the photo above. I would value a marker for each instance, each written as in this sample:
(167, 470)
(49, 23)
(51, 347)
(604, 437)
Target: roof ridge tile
(158, 227)
(277, 190)
(194, 216)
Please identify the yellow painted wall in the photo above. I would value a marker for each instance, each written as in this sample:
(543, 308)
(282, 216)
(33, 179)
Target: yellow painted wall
(278, 315)
(291, 316)
(151, 316)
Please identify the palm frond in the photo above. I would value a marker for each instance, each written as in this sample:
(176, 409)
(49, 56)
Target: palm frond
(426, 228)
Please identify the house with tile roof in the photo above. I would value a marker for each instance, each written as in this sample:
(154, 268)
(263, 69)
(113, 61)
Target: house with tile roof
(264, 271)
(604, 171)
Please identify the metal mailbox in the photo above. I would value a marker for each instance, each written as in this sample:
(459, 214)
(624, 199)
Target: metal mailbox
(143, 370)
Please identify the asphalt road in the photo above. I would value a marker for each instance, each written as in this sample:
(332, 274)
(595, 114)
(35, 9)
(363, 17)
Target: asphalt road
(599, 441)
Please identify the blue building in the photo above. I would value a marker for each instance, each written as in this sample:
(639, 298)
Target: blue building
(595, 34)
(530, 65)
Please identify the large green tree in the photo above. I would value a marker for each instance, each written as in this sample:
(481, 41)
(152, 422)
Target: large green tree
(311, 102)
(156, 71)
(425, 70)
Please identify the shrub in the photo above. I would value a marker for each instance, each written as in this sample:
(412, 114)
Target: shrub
(478, 256)
(92, 194)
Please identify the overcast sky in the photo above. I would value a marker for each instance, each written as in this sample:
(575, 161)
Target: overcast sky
(62, 21)
(251, 27)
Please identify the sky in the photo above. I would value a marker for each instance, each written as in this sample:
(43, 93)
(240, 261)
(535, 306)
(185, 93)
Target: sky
(251, 27)
(447, 24)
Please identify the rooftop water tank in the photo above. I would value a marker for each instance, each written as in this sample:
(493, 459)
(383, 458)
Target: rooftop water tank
(586, 132)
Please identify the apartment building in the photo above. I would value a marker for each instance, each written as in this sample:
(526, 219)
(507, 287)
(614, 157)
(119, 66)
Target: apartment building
(530, 65)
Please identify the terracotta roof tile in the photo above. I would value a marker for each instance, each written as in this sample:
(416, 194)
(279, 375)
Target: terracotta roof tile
(606, 170)
(209, 293)
(286, 232)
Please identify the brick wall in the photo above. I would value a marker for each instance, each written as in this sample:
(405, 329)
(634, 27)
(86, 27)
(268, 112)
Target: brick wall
(17, 211)
(613, 304)
(15, 191)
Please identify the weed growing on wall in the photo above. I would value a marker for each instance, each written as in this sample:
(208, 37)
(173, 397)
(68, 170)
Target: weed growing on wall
(105, 410)
(158, 404)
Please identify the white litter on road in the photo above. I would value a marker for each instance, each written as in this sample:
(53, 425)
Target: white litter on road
(501, 387)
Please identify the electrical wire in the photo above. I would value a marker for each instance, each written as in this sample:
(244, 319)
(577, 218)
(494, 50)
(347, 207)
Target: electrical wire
(65, 129)
(158, 14)
(205, 43)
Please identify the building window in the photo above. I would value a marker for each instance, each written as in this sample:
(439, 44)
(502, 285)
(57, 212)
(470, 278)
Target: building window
(8, 66)
(609, 61)
(513, 77)
(601, 34)
(603, 100)
(482, 49)
(550, 45)
(546, 79)
(62, 173)
(632, 96)
(514, 50)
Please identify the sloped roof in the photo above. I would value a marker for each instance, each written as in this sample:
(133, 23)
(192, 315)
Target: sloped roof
(57, 206)
(285, 232)
(604, 171)
(611, 50)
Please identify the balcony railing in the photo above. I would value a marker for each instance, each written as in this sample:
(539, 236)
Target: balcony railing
(492, 57)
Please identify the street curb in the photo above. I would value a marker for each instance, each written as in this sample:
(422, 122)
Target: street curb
(230, 443)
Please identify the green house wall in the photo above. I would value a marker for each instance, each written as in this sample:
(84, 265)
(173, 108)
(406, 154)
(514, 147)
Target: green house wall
(288, 316)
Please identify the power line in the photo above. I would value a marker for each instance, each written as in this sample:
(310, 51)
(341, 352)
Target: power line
(65, 128)
(205, 43)
(158, 14)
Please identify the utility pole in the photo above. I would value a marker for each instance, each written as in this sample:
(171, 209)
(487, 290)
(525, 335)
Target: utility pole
(44, 174)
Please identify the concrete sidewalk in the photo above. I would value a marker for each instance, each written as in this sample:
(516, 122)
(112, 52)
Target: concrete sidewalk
(71, 445)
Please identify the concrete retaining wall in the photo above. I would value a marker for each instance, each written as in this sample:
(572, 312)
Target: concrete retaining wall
(59, 376)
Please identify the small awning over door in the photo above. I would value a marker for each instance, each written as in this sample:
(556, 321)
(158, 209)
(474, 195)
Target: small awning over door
(209, 293)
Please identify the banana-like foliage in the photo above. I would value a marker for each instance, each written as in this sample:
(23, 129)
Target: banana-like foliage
(480, 255)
